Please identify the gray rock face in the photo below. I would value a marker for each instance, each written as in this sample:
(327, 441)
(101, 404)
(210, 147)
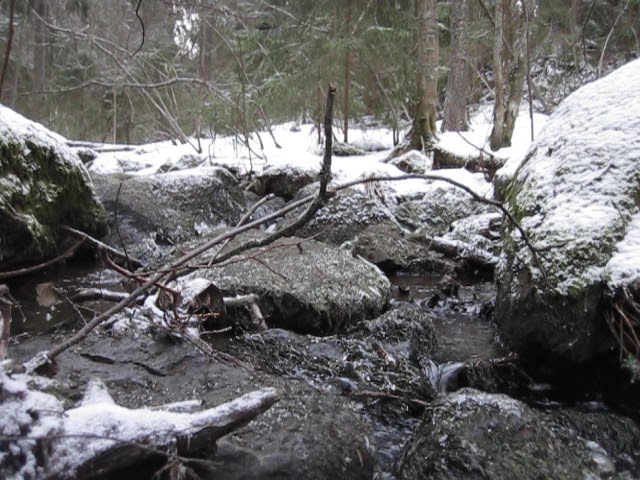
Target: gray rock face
(385, 245)
(470, 434)
(158, 211)
(43, 185)
(576, 195)
(434, 213)
(304, 285)
(348, 213)
(282, 181)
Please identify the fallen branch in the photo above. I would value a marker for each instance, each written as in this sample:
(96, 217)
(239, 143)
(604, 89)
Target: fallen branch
(92, 294)
(458, 249)
(317, 201)
(134, 262)
(100, 437)
(387, 396)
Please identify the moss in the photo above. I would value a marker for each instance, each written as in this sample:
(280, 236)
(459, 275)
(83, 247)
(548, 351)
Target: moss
(43, 191)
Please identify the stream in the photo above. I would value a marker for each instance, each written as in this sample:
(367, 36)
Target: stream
(468, 346)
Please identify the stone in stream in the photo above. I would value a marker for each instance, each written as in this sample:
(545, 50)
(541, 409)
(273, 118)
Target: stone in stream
(302, 285)
(151, 214)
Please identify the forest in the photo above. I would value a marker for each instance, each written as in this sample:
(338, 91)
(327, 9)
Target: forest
(134, 72)
(359, 239)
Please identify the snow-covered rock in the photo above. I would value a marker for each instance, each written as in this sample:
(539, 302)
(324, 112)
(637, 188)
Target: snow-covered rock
(576, 197)
(43, 185)
(442, 203)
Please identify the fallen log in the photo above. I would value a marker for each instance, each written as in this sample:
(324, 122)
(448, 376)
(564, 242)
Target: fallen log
(100, 437)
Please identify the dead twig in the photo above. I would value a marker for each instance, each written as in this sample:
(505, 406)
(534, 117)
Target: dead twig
(134, 262)
(317, 201)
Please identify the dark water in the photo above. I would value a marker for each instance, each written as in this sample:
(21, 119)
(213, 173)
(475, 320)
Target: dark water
(43, 297)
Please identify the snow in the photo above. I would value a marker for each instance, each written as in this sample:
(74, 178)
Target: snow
(299, 152)
(467, 144)
(14, 128)
(624, 265)
(580, 184)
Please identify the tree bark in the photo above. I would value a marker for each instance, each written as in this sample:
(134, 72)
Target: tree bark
(39, 60)
(510, 27)
(495, 139)
(347, 74)
(424, 119)
(454, 117)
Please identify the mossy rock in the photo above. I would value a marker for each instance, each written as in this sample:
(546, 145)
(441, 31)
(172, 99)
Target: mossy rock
(43, 185)
(347, 213)
(470, 434)
(387, 246)
(576, 197)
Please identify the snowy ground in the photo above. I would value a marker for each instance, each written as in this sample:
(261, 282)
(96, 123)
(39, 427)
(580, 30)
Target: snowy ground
(300, 151)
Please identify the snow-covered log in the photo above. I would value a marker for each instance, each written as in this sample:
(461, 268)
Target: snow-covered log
(99, 437)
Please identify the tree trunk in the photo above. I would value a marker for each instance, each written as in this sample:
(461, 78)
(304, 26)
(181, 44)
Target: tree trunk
(424, 119)
(495, 139)
(509, 96)
(347, 74)
(39, 60)
(516, 84)
(455, 104)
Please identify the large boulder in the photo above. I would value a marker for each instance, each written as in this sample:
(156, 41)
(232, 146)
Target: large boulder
(303, 285)
(576, 197)
(152, 213)
(470, 434)
(349, 212)
(43, 185)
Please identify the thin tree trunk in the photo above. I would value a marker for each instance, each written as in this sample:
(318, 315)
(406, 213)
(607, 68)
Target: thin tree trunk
(39, 59)
(424, 119)
(455, 104)
(347, 75)
(495, 139)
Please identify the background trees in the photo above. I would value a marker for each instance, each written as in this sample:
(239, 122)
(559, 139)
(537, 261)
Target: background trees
(237, 67)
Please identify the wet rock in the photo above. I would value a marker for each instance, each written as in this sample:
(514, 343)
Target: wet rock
(348, 213)
(433, 214)
(304, 285)
(307, 434)
(44, 185)
(387, 246)
(284, 181)
(156, 212)
(575, 195)
(470, 434)
(382, 361)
